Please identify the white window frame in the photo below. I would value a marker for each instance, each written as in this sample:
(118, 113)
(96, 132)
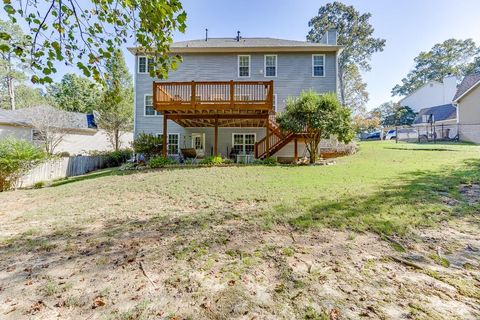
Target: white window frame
(265, 65)
(138, 64)
(168, 144)
(313, 65)
(145, 106)
(275, 107)
(243, 134)
(249, 65)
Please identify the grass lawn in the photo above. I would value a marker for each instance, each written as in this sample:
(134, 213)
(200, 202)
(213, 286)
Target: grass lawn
(389, 232)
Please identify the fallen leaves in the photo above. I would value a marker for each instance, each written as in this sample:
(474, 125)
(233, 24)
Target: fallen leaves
(98, 302)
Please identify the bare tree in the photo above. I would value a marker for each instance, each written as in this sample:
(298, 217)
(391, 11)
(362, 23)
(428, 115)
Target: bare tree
(50, 125)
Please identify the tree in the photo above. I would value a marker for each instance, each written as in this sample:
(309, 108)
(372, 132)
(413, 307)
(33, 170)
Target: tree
(365, 122)
(452, 56)
(86, 33)
(356, 95)
(393, 114)
(27, 96)
(12, 70)
(115, 112)
(318, 117)
(16, 158)
(51, 125)
(75, 93)
(354, 33)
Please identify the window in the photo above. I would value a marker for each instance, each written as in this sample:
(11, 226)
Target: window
(145, 64)
(173, 142)
(243, 142)
(244, 66)
(149, 110)
(38, 136)
(271, 65)
(318, 65)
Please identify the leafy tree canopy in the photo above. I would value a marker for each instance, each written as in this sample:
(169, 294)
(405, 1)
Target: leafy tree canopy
(86, 34)
(356, 94)
(393, 114)
(457, 57)
(75, 93)
(355, 33)
(318, 117)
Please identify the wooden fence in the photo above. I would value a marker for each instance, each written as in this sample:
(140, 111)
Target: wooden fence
(61, 168)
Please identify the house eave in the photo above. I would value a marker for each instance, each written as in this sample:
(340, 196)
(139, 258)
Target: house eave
(467, 92)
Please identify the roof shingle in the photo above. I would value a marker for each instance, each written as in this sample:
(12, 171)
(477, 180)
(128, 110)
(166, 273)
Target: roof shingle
(468, 82)
(439, 113)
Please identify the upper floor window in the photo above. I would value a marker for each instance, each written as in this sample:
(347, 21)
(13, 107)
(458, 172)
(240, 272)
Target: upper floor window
(271, 65)
(145, 64)
(149, 109)
(244, 66)
(318, 65)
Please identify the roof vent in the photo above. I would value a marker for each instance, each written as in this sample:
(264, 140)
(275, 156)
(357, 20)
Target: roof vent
(206, 34)
(238, 36)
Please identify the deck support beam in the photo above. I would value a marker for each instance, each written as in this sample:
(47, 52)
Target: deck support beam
(295, 151)
(164, 136)
(215, 143)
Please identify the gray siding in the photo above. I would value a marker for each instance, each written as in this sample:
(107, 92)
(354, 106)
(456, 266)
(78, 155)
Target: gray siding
(294, 74)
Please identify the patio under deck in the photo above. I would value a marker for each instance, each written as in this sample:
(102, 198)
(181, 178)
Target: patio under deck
(215, 104)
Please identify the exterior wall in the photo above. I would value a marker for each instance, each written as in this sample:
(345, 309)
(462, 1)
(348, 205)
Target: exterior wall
(81, 144)
(15, 132)
(429, 95)
(294, 74)
(469, 116)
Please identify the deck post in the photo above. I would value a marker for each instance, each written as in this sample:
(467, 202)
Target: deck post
(267, 140)
(215, 142)
(194, 95)
(164, 136)
(232, 93)
(295, 151)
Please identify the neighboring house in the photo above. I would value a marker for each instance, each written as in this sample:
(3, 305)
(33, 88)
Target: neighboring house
(438, 121)
(81, 136)
(467, 100)
(223, 97)
(433, 93)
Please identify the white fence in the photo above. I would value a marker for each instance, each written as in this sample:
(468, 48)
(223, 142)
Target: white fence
(61, 168)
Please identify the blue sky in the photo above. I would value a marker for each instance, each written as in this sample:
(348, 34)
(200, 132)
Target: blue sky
(409, 26)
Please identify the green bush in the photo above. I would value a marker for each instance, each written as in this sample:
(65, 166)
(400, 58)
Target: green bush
(159, 162)
(16, 158)
(39, 185)
(148, 145)
(113, 158)
(212, 160)
(269, 161)
(63, 154)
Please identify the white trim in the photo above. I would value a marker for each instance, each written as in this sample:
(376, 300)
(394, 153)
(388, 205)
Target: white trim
(146, 64)
(265, 65)
(243, 133)
(470, 89)
(145, 106)
(202, 136)
(178, 142)
(249, 65)
(275, 106)
(324, 63)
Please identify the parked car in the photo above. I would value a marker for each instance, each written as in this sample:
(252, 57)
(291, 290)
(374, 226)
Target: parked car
(391, 135)
(373, 136)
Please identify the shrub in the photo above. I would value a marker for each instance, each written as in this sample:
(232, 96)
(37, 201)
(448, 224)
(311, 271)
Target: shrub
(38, 185)
(16, 158)
(128, 166)
(159, 162)
(212, 160)
(269, 161)
(148, 145)
(63, 154)
(113, 158)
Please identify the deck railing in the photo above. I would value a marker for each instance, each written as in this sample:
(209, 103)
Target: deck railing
(213, 94)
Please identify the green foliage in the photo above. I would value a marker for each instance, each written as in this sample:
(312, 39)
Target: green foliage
(148, 144)
(85, 35)
(114, 158)
(160, 162)
(269, 161)
(356, 95)
(318, 117)
(115, 112)
(63, 154)
(38, 185)
(16, 158)
(393, 114)
(355, 33)
(453, 56)
(212, 160)
(75, 93)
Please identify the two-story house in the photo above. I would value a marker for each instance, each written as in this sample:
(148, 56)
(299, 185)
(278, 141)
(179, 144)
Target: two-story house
(223, 97)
